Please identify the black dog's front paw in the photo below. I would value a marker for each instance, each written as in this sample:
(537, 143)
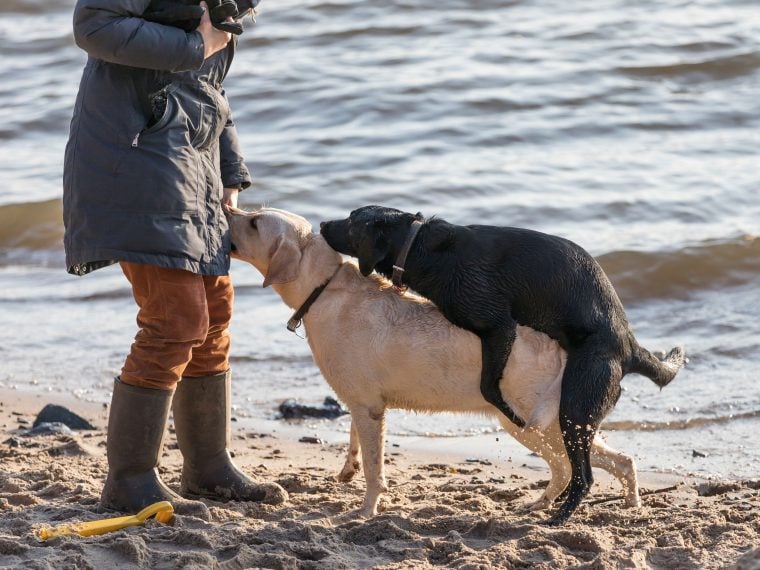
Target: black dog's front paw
(557, 520)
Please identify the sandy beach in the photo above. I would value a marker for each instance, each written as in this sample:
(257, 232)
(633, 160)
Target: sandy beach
(629, 128)
(445, 508)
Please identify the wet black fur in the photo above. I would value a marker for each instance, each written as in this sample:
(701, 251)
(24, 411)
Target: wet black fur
(488, 279)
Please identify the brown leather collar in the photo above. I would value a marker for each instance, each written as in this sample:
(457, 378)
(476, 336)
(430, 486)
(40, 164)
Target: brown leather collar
(398, 267)
(295, 321)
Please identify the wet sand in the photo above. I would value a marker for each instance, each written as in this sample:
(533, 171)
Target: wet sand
(448, 505)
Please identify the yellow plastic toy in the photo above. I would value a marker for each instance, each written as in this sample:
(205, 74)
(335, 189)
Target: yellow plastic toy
(163, 511)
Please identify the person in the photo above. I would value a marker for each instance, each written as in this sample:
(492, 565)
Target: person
(151, 162)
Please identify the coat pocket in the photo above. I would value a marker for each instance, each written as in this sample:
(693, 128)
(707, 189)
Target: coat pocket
(212, 117)
(160, 171)
(162, 106)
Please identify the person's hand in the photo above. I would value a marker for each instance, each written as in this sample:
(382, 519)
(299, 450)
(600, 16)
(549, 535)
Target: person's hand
(230, 197)
(214, 40)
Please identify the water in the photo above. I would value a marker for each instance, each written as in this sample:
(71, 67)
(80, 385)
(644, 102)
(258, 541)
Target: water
(630, 129)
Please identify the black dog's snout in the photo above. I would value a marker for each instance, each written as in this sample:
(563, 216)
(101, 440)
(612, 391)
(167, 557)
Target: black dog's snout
(337, 236)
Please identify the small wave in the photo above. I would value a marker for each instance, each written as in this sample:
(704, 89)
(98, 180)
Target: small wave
(110, 295)
(717, 68)
(637, 275)
(365, 31)
(36, 6)
(628, 425)
(290, 359)
(31, 225)
(674, 274)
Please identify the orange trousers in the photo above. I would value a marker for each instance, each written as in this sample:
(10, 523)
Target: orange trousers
(184, 325)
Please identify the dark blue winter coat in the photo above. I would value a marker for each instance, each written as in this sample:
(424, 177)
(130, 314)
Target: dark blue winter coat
(151, 146)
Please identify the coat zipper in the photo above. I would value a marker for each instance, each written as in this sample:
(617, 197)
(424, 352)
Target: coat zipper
(136, 140)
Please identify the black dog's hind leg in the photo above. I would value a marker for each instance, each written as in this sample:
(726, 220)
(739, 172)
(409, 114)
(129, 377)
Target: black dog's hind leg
(590, 387)
(496, 349)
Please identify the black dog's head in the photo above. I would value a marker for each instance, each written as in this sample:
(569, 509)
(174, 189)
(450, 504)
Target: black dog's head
(373, 234)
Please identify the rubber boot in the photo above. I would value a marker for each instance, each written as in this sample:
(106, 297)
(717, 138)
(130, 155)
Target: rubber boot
(136, 426)
(202, 426)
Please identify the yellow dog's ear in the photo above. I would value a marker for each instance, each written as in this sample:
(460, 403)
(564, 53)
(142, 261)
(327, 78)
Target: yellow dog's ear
(284, 259)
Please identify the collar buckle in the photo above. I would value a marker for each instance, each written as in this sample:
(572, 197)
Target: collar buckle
(294, 323)
(296, 320)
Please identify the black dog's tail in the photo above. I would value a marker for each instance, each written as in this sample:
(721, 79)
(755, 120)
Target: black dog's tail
(660, 371)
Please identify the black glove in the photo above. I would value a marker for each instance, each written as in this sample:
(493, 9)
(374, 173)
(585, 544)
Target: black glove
(220, 10)
(186, 14)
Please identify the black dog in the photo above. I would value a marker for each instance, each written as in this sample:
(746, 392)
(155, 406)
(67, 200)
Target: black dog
(487, 279)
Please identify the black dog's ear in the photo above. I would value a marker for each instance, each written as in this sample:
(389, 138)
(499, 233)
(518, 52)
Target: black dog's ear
(372, 250)
(439, 237)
